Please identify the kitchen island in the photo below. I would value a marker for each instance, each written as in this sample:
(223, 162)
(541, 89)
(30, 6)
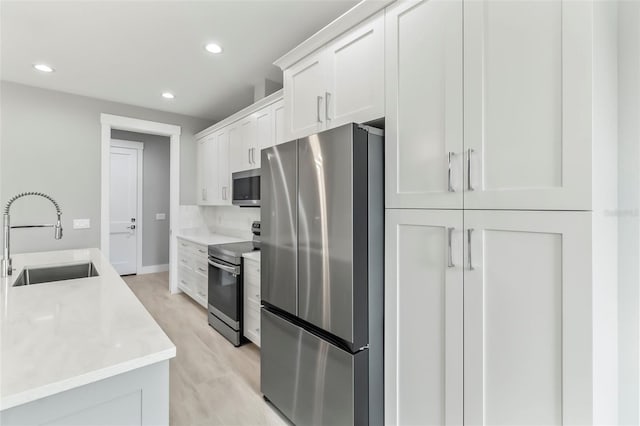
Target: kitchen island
(80, 351)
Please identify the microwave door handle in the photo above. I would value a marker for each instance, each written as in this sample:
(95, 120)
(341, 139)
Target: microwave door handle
(229, 269)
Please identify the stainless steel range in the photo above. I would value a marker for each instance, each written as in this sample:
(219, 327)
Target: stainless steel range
(225, 286)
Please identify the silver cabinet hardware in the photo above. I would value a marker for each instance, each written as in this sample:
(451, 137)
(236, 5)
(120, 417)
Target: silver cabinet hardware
(469, 231)
(249, 155)
(132, 227)
(235, 271)
(202, 269)
(319, 99)
(449, 185)
(326, 105)
(469, 186)
(202, 251)
(449, 254)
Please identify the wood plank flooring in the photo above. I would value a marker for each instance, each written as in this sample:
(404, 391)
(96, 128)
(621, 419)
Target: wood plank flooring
(211, 381)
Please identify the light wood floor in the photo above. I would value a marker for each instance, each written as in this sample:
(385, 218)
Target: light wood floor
(212, 382)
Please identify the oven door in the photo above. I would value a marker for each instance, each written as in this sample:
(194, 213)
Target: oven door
(246, 188)
(224, 292)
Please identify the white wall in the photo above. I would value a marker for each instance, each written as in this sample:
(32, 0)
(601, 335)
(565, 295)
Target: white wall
(629, 210)
(50, 142)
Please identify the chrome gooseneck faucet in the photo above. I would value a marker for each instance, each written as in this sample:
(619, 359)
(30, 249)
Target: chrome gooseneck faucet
(6, 226)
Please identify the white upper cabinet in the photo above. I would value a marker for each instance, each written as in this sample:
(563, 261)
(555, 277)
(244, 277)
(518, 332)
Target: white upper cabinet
(527, 91)
(264, 134)
(278, 123)
(238, 154)
(355, 84)
(304, 91)
(207, 171)
(524, 137)
(224, 174)
(340, 83)
(424, 123)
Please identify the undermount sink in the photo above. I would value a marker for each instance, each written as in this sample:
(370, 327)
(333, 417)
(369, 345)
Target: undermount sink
(47, 274)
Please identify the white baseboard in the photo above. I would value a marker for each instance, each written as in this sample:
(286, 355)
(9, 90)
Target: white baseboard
(152, 269)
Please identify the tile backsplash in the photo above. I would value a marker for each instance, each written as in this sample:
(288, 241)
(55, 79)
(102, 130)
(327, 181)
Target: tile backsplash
(228, 220)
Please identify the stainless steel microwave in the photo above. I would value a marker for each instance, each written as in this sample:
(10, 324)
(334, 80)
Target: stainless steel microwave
(246, 188)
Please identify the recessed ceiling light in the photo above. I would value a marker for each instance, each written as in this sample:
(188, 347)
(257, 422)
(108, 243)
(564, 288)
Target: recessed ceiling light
(213, 48)
(43, 67)
(168, 95)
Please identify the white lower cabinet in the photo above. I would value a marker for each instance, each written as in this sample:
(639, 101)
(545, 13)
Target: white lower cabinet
(251, 308)
(488, 318)
(193, 272)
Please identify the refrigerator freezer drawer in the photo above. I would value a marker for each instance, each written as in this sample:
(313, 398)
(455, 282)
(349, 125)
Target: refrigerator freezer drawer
(310, 380)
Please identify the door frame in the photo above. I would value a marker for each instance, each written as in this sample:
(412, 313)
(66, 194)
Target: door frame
(109, 122)
(138, 146)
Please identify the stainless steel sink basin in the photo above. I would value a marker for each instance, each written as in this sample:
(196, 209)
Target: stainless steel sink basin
(47, 274)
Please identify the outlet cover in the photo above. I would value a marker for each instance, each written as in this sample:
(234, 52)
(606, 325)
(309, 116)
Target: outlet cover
(161, 216)
(81, 223)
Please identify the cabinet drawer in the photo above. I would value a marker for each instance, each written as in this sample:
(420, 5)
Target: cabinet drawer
(252, 267)
(186, 277)
(252, 292)
(201, 267)
(252, 321)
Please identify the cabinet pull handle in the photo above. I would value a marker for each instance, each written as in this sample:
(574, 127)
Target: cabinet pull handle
(249, 155)
(449, 254)
(326, 105)
(449, 186)
(202, 269)
(202, 251)
(469, 186)
(319, 99)
(469, 231)
(253, 155)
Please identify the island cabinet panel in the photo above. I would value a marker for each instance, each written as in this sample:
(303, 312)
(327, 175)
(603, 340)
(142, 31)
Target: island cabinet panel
(138, 397)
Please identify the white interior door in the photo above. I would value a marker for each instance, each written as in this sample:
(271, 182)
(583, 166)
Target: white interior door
(527, 318)
(423, 317)
(124, 210)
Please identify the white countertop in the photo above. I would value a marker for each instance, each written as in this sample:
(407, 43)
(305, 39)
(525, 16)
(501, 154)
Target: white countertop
(254, 255)
(61, 335)
(205, 237)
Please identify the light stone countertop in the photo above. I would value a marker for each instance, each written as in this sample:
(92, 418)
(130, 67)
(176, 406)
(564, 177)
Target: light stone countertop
(205, 237)
(61, 335)
(254, 255)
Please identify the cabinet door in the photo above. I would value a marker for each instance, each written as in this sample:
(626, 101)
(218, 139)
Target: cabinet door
(224, 176)
(249, 141)
(211, 170)
(527, 82)
(355, 66)
(423, 317)
(423, 135)
(527, 318)
(263, 134)
(201, 170)
(237, 151)
(304, 90)
(278, 123)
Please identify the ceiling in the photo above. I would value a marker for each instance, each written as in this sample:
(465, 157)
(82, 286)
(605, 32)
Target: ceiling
(132, 51)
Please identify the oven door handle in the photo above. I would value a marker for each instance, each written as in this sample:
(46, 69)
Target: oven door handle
(230, 269)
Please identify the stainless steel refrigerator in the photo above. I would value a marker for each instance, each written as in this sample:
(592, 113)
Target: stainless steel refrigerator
(322, 277)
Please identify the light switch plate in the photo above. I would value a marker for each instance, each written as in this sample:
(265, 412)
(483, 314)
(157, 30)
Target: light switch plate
(81, 223)
(161, 216)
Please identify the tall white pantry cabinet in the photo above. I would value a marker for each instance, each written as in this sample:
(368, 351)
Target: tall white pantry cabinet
(501, 247)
